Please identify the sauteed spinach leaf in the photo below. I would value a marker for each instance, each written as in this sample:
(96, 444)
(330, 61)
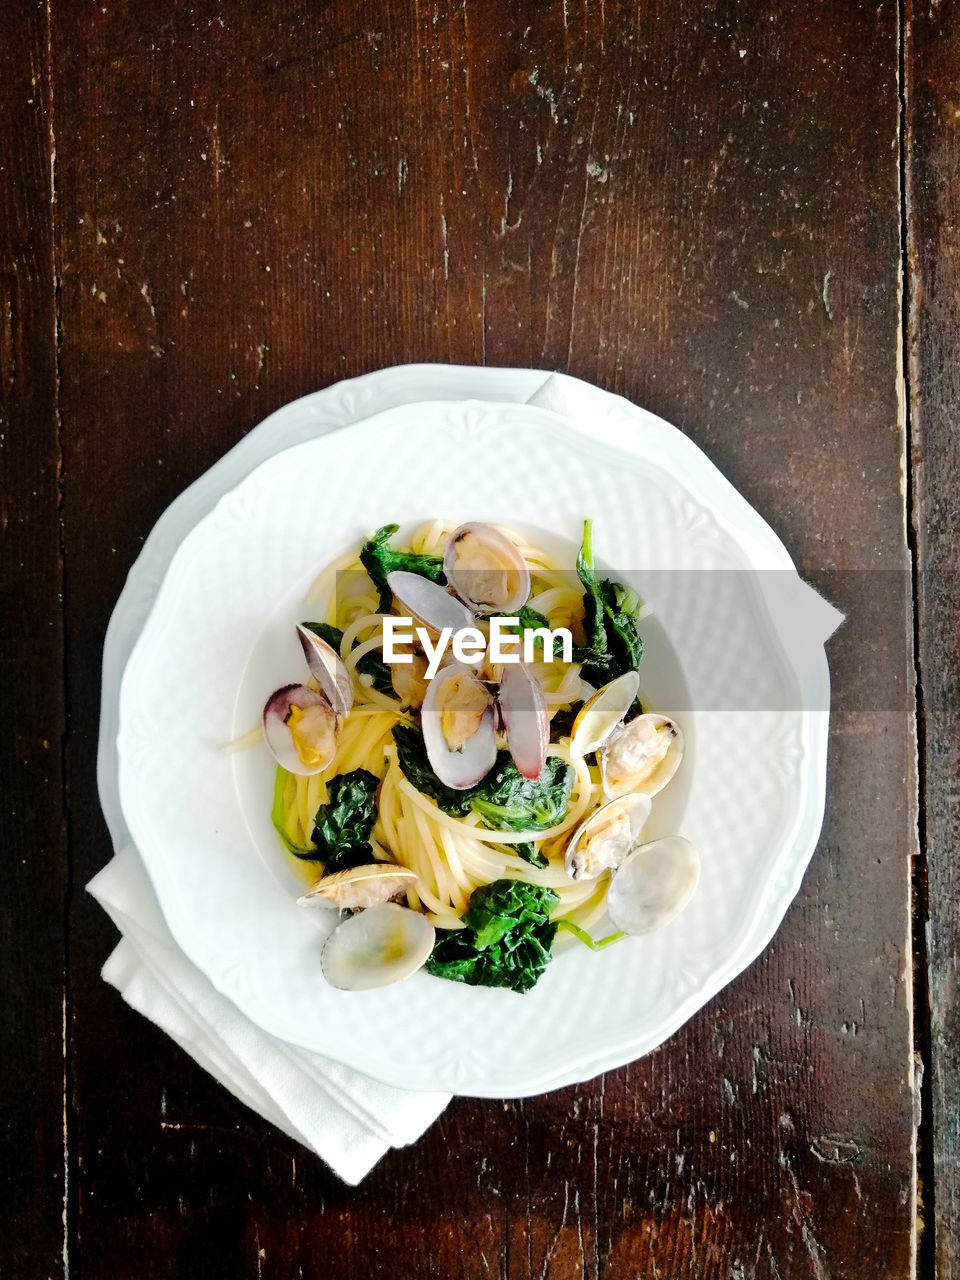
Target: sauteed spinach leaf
(506, 939)
(379, 559)
(505, 800)
(611, 612)
(528, 851)
(415, 765)
(342, 827)
(528, 619)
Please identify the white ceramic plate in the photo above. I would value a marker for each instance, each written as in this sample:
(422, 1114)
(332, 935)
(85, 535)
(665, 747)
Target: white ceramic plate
(203, 665)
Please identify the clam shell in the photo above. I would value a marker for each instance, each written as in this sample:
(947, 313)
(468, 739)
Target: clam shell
(600, 715)
(523, 709)
(630, 758)
(359, 887)
(486, 590)
(327, 669)
(377, 947)
(428, 602)
(653, 885)
(276, 732)
(583, 863)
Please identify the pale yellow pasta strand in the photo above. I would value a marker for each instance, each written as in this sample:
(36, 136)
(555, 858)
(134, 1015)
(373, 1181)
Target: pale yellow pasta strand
(365, 622)
(427, 845)
(556, 600)
(455, 867)
(316, 795)
(245, 740)
(588, 910)
(429, 538)
(576, 809)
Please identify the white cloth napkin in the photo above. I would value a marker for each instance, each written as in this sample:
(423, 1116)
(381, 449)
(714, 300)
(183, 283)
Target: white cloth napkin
(346, 1118)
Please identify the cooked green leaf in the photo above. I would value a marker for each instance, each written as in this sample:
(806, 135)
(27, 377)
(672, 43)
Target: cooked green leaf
(342, 827)
(529, 852)
(622, 607)
(504, 799)
(531, 619)
(379, 559)
(326, 631)
(527, 620)
(507, 801)
(610, 616)
(415, 766)
(505, 941)
(593, 627)
(561, 723)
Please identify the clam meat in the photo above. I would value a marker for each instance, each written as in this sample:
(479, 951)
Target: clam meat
(603, 840)
(458, 719)
(300, 729)
(641, 755)
(409, 681)
(358, 888)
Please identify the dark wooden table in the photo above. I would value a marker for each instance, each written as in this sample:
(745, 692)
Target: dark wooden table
(743, 216)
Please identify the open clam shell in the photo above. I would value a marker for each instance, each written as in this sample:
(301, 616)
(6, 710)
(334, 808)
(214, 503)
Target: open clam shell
(605, 839)
(427, 602)
(458, 719)
(653, 884)
(600, 715)
(377, 947)
(641, 755)
(486, 569)
(327, 669)
(299, 728)
(523, 710)
(359, 887)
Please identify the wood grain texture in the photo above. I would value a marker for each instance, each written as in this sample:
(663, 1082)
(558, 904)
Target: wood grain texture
(686, 203)
(932, 55)
(32, 831)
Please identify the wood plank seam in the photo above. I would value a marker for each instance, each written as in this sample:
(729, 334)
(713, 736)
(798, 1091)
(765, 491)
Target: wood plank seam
(924, 1190)
(68, 1117)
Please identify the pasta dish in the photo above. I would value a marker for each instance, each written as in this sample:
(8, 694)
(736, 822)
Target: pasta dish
(467, 768)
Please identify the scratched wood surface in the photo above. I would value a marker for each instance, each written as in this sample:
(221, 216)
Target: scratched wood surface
(32, 831)
(932, 175)
(684, 202)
